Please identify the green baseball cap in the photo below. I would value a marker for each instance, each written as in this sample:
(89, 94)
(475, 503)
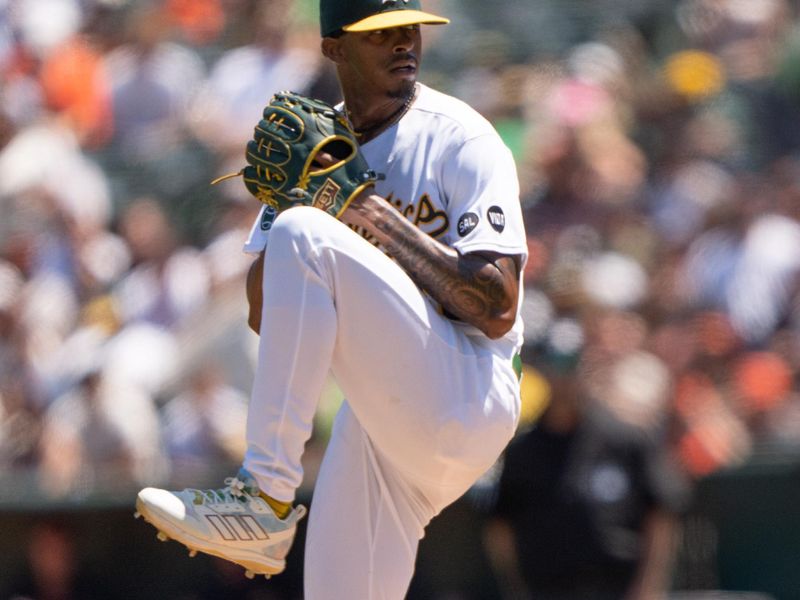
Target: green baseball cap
(370, 15)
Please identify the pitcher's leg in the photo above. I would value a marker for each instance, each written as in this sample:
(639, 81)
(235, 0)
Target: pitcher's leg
(364, 524)
(298, 332)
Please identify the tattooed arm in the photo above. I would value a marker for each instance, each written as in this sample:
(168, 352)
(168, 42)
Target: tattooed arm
(480, 288)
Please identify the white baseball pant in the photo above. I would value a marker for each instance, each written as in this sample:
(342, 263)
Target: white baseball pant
(429, 407)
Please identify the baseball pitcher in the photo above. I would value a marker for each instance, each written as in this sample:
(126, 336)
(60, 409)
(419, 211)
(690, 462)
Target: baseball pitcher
(390, 246)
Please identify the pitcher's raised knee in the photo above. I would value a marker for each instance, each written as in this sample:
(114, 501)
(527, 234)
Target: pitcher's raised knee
(306, 222)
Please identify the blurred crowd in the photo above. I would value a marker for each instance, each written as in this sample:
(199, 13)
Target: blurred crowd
(657, 148)
(663, 211)
(124, 352)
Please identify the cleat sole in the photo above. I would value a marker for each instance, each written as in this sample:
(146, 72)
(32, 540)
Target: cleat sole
(166, 529)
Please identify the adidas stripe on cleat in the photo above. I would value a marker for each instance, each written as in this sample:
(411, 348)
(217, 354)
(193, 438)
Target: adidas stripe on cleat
(233, 523)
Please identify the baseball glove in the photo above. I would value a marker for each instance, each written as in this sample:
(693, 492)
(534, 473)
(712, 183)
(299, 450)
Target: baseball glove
(284, 167)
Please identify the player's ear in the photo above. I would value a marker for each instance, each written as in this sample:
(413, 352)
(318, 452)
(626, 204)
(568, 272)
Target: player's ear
(332, 49)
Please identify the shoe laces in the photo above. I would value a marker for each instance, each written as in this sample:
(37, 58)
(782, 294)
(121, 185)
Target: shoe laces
(236, 486)
(235, 489)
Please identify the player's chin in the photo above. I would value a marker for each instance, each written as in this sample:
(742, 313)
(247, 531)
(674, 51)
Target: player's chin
(403, 81)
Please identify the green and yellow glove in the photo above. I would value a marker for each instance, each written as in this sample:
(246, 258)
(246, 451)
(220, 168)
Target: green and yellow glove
(284, 166)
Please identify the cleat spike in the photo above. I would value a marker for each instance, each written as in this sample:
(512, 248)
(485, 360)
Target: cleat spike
(267, 576)
(192, 553)
(162, 537)
(137, 514)
(249, 574)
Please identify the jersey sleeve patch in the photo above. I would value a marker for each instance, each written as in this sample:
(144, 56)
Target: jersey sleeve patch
(467, 222)
(267, 218)
(497, 218)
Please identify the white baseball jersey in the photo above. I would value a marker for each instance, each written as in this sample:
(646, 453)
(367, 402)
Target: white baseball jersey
(448, 171)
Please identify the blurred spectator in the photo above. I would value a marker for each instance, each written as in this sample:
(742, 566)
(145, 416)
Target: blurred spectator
(75, 86)
(20, 423)
(57, 208)
(244, 78)
(80, 443)
(714, 436)
(153, 80)
(167, 281)
(102, 432)
(226, 261)
(200, 22)
(589, 500)
(747, 267)
(20, 430)
(205, 424)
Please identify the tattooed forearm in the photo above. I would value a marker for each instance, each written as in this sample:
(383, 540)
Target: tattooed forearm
(477, 289)
(465, 290)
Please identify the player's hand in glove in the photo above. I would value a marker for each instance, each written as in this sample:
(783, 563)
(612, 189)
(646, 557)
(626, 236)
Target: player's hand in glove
(304, 153)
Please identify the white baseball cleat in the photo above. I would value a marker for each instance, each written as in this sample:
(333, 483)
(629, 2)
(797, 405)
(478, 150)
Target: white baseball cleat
(233, 523)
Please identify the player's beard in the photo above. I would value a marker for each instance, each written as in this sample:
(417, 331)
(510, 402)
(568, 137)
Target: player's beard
(403, 90)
